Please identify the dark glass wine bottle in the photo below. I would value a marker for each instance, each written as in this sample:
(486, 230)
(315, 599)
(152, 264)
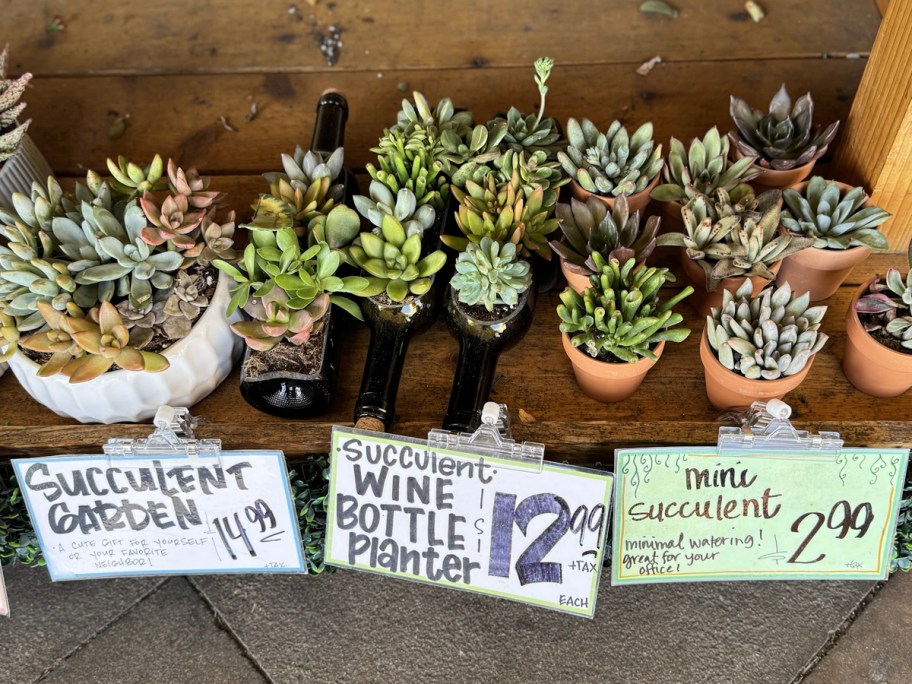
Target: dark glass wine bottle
(292, 394)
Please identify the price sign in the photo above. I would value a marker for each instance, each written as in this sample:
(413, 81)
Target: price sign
(685, 515)
(101, 516)
(465, 521)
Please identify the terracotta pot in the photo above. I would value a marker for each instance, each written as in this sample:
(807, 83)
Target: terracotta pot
(635, 202)
(872, 367)
(728, 390)
(607, 382)
(821, 271)
(672, 221)
(701, 300)
(577, 276)
(771, 178)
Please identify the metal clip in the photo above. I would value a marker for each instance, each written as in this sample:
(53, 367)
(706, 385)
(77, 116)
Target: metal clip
(766, 425)
(492, 438)
(173, 435)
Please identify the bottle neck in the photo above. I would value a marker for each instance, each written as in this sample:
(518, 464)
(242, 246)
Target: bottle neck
(329, 127)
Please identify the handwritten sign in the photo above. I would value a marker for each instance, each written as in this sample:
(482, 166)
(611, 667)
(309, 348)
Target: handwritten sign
(685, 515)
(464, 521)
(4, 601)
(101, 516)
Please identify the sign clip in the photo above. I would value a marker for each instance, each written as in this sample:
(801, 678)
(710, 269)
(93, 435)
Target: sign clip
(766, 425)
(173, 436)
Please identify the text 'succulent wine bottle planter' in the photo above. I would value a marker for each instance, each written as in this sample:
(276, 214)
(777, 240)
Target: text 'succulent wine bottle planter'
(284, 392)
(480, 344)
(391, 325)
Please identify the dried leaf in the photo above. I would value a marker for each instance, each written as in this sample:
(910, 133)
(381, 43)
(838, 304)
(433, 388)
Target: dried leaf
(525, 417)
(118, 127)
(227, 126)
(658, 7)
(252, 114)
(754, 10)
(648, 65)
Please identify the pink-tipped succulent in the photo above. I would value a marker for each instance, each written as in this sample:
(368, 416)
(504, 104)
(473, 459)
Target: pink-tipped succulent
(273, 321)
(192, 186)
(172, 222)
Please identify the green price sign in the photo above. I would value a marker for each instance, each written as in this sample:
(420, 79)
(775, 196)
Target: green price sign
(691, 514)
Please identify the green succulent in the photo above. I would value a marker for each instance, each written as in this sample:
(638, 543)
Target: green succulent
(403, 205)
(470, 156)
(409, 160)
(394, 261)
(442, 118)
(134, 180)
(611, 163)
(532, 133)
(11, 90)
(785, 137)
(768, 337)
(833, 219)
(590, 228)
(503, 213)
(620, 316)
(534, 171)
(734, 240)
(888, 305)
(702, 170)
(491, 274)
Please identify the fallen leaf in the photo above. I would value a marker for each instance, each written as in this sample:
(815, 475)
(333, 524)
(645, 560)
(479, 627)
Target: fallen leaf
(658, 7)
(227, 126)
(754, 10)
(648, 65)
(118, 127)
(525, 417)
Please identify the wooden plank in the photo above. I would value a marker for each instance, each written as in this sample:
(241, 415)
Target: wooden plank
(535, 376)
(876, 147)
(178, 115)
(217, 36)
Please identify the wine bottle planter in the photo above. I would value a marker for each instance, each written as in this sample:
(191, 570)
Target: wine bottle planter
(305, 384)
(481, 341)
(391, 324)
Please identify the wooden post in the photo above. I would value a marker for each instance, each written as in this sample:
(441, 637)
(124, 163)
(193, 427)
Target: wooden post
(875, 149)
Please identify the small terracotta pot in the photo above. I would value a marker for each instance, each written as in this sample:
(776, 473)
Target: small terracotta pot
(635, 202)
(607, 382)
(701, 300)
(672, 220)
(728, 390)
(821, 271)
(771, 178)
(872, 367)
(577, 276)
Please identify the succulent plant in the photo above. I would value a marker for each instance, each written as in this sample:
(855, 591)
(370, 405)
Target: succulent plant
(611, 163)
(590, 228)
(394, 261)
(274, 321)
(402, 205)
(171, 222)
(134, 180)
(442, 118)
(888, 305)
(9, 337)
(833, 219)
(470, 156)
(407, 159)
(218, 238)
(491, 274)
(702, 170)
(734, 240)
(11, 90)
(84, 347)
(532, 133)
(503, 213)
(534, 171)
(768, 337)
(785, 137)
(619, 316)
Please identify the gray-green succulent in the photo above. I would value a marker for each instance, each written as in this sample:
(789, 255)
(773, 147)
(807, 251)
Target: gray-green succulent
(612, 163)
(491, 274)
(835, 220)
(403, 205)
(767, 337)
(620, 316)
(533, 132)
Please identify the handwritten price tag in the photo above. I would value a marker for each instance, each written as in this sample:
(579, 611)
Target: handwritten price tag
(690, 515)
(467, 522)
(98, 516)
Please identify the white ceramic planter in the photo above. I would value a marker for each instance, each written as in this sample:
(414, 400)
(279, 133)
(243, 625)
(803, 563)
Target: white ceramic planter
(199, 363)
(18, 172)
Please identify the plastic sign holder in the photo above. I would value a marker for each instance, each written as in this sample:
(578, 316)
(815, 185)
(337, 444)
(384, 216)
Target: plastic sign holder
(765, 425)
(493, 438)
(173, 436)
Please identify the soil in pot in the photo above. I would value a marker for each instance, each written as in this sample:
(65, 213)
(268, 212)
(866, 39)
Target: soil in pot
(874, 363)
(483, 335)
(728, 390)
(611, 380)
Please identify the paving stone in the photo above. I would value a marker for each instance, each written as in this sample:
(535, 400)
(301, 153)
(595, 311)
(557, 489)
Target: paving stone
(51, 619)
(876, 646)
(360, 627)
(170, 637)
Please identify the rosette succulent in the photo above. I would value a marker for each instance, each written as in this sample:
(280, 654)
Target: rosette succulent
(273, 321)
(590, 228)
(407, 159)
(703, 169)
(611, 163)
(888, 306)
(620, 317)
(402, 205)
(11, 91)
(737, 240)
(835, 220)
(785, 137)
(491, 274)
(768, 337)
(443, 117)
(533, 132)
